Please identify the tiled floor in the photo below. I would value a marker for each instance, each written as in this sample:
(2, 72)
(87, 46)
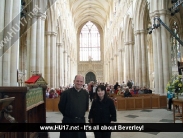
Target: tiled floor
(131, 116)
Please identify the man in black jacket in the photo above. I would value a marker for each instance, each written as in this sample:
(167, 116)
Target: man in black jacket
(73, 104)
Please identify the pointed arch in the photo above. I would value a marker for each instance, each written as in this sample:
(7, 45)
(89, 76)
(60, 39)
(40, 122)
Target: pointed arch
(141, 18)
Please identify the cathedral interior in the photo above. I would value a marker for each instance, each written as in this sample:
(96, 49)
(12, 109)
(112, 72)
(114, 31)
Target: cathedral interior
(106, 41)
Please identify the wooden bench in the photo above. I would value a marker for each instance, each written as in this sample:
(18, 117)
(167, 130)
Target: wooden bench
(52, 104)
(145, 101)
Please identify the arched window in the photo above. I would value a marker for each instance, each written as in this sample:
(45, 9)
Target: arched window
(175, 46)
(90, 43)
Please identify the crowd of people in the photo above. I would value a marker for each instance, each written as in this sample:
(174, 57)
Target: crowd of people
(128, 89)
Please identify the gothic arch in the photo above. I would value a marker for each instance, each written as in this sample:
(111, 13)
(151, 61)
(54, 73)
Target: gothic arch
(141, 15)
(50, 22)
(129, 37)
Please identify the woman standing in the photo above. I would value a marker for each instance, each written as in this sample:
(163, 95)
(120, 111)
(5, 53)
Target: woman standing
(102, 111)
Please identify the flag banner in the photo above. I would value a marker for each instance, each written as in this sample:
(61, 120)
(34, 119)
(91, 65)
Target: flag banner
(114, 127)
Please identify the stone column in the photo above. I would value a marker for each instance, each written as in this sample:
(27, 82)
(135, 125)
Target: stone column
(136, 59)
(123, 64)
(68, 69)
(126, 63)
(38, 44)
(61, 65)
(120, 66)
(108, 76)
(53, 60)
(155, 51)
(7, 46)
(131, 61)
(15, 43)
(106, 72)
(165, 57)
(160, 60)
(42, 64)
(48, 58)
(116, 68)
(144, 59)
(58, 64)
(112, 71)
(28, 43)
(65, 68)
(71, 72)
(33, 44)
(2, 15)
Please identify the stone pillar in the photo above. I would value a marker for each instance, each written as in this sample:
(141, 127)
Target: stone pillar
(106, 72)
(165, 57)
(42, 64)
(61, 65)
(144, 59)
(7, 46)
(108, 76)
(71, 72)
(116, 68)
(136, 59)
(120, 66)
(48, 58)
(33, 44)
(28, 43)
(160, 60)
(38, 44)
(123, 64)
(131, 61)
(14, 66)
(58, 64)
(126, 63)
(155, 51)
(68, 69)
(2, 15)
(65, 68)
(53, 60)
(112, 71)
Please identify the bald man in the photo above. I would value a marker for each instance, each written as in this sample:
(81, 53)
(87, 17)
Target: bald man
(73, 104)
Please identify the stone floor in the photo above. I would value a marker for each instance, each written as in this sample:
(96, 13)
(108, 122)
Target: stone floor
(130, 116)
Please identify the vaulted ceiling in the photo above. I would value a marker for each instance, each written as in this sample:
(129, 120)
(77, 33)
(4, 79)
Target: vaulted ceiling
(90, 10)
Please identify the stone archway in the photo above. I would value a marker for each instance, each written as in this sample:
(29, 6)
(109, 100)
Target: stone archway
(90, 76)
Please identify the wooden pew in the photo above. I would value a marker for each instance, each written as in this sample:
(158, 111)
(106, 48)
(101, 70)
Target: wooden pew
(163, 101)
(143, 101)
(121, 103)
(52, 104)
(146, 102)
(138, 102)
(155, 101)
(130, 103)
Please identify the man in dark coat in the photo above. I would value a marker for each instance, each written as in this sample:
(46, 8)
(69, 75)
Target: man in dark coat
(73, 104)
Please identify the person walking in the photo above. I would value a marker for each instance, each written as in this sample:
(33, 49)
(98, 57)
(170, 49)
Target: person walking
(73, 104)
(102, 111)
